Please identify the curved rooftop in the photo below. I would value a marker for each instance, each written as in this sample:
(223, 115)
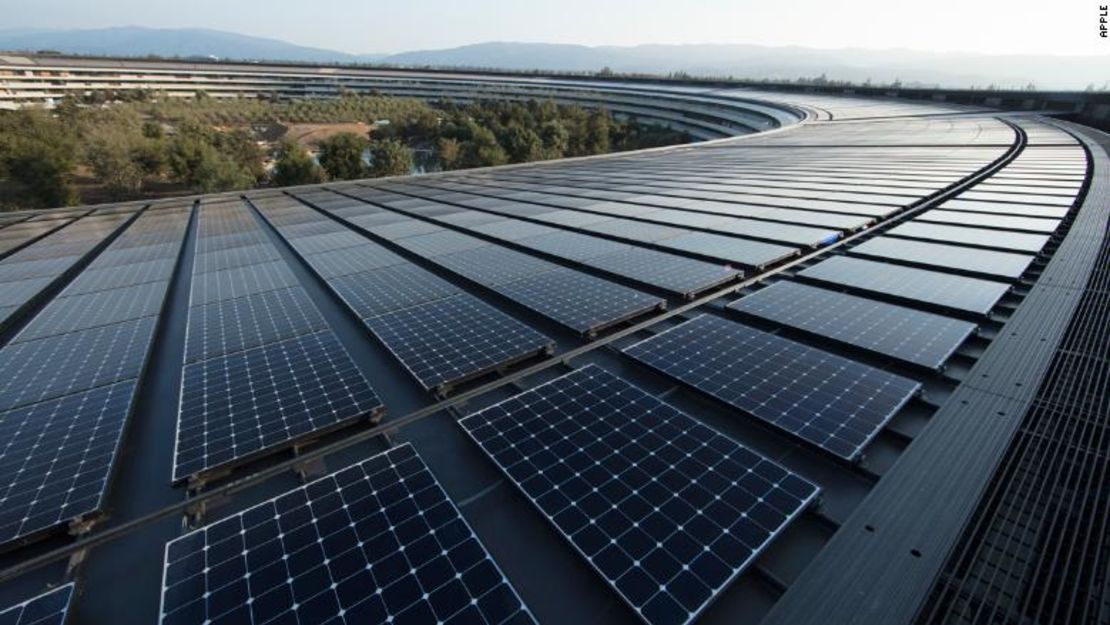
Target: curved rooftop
(844, 362)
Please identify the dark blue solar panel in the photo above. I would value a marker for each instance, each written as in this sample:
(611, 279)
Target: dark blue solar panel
(684, 276)
(579, 301)
(49, 608)
(66, 363)
(56, 457)
(238, 406)
(227, 326)
(378, 542)
(914, 336)
(667, 510)
(454, 339)
(372, 293)
(829, 401)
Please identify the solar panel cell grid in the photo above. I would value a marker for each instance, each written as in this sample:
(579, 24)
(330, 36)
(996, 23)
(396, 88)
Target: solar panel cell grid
(50, 367)
(239, 405)
(378, 542)
(228, 326)
(56, 458)
(668, 511)
(914, 336)
(384, 290)
(453, 339)
(79, 312)
(577, 300)
(684, 276)
(829, 401)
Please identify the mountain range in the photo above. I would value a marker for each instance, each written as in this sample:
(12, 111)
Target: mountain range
(948, 69)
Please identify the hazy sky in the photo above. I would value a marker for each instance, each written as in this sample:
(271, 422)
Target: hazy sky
(1013, 26)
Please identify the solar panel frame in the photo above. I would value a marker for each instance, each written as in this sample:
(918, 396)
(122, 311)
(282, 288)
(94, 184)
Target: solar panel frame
(388, 289)
(294, 544)
(638, 526)
(1007, 265)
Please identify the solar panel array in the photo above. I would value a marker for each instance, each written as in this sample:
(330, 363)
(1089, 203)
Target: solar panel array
(70, 379)
(440, 334)
(665, 509)
(826, 400)
(262, 368)
(49, 608)
(914, 336)
(667, 272)
(377, 542)
(572, 298)
(28, 271)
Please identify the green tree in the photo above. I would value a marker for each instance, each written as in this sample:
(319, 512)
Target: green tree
(205, 169)
(152, 130)
(341, 156)
(112, 164)
(482, 150)
(294, 166)
(522, 145)
(38, 153)
(390, 158)
(597, 131)
(555, 139)
(447, 152)
(241, 148)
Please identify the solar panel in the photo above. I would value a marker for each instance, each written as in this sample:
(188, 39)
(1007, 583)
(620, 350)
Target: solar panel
(377, 542)
(49, 608)
(56, 458)
(983, 237)
(453, 339)
(93, 279)
(933, 287)
(232, 283)
(493, 265)
(237, 406)
(731, 249)
(573, 246)
(229, 258)
(829, 401)
(684, 276)
(914, 336)
(1028, 224)
(438, 243)
(384, 290)
(667, 510)
(50, 367)
(985, 262)
(79, 312)
(353, 260)
(228, 326)
(577, 300)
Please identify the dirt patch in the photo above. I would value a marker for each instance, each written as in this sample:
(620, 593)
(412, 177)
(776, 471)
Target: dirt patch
(308, 135)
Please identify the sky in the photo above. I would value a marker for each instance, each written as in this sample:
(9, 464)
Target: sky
(374, 26)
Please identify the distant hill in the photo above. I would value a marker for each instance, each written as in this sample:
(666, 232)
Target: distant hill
(741, 61)
(180, 42)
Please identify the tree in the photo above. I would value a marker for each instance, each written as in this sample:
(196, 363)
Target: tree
(482, 150)
(38, 153)
(555, 139)
(522, 145)
(294, 166)
(390, 158)
(152, 130)
(201, 166)
(113, 165)
(597, 131)
(341, 156)
(447, 152)
(242, 149)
